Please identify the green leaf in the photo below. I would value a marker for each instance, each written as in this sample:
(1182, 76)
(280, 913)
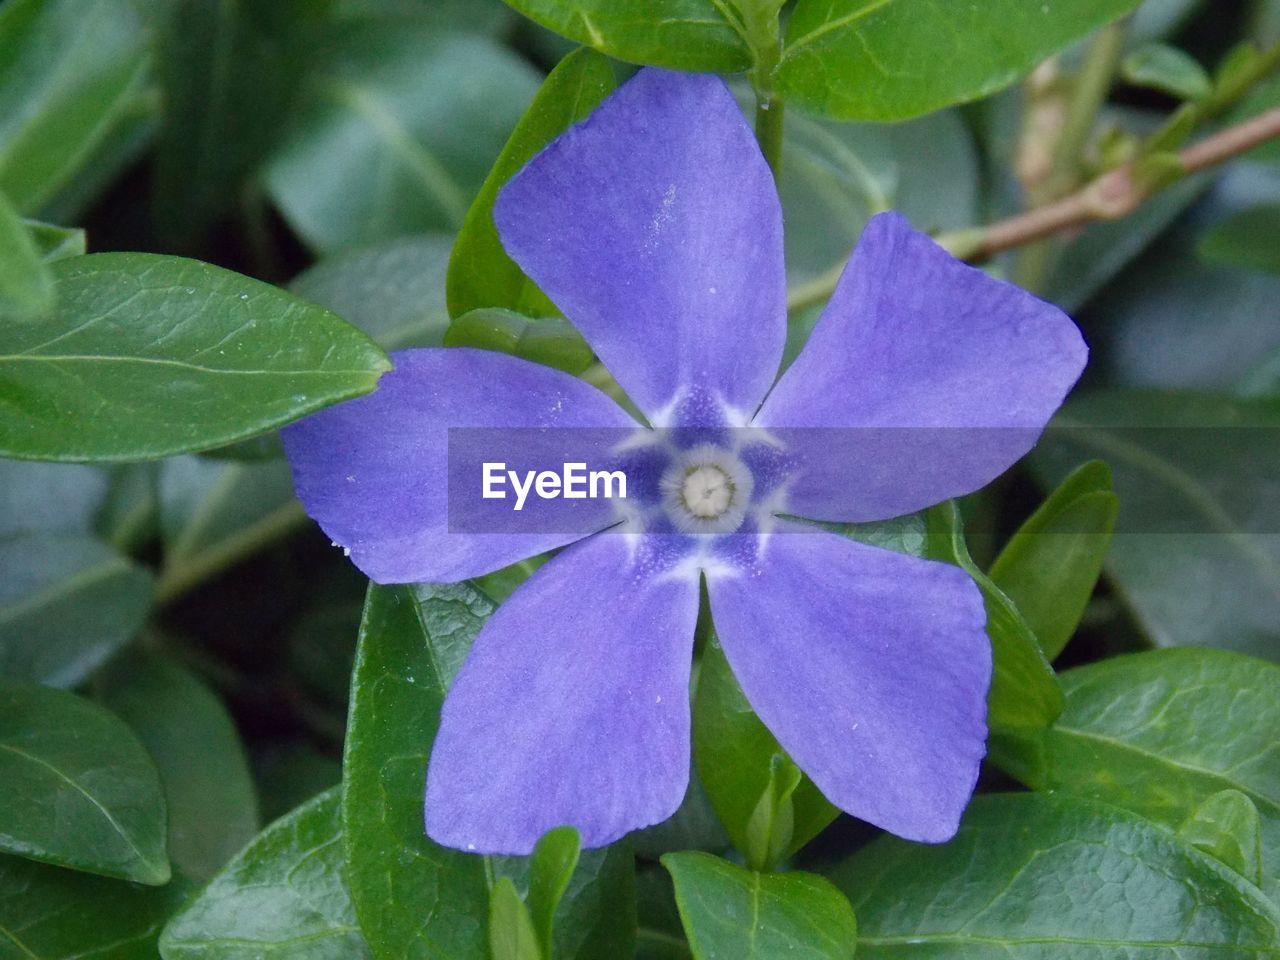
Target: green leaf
(49, 497)
(283, 895)
(551, 341)
(396, 132)
(1157, 66)
(551, 868)
(729, 911)
(1160, 732)
(148, 355)
(701, 35)
(895, 59)
(193, 741)
(54, 914)
(1195, 563)
(772, 824)
(1024, 694)
(735, 755)
(68, 69)
(67, 602)
(1227, 827)
(1247, 240)
(412, 642)
(26, 287)
(477, 16)
(54, 242)
(1036, 876)
(480, 272)
(393, 291)
(511, 932)
(80, 790)
(1050, 566)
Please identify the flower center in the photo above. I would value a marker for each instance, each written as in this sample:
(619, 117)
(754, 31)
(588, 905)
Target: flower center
(707, 490)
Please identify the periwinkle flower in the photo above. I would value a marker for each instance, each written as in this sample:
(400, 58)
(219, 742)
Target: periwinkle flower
(656, 228)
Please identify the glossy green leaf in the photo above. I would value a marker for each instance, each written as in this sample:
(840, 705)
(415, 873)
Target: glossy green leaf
(148, 355)
(1195, 559)
(480, 272)
(80, 790)
(68, 68)
(26, 286)
(54, 242)
(511, 932)
(1226, 826)
(1024, 694)
(1157, 66)
(735, 755)
(393, 291)
(283, 896)
(1051, 565)
(1162, 731)
(550, 869)
(1245, 240)
(550, 341)
(1036, 876)
(702, 35)
(67, 602)
(894, 59)
(729, 911)
(55, 914)
(193, 741)
(49, 497)
(396, 132)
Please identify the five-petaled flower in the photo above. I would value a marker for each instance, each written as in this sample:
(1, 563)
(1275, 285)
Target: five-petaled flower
(656, 228)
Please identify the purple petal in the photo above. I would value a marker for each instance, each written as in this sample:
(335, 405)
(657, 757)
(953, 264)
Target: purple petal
(655, 226)
(924, 379)
(870, 667)
(373, 471)
(572, 707)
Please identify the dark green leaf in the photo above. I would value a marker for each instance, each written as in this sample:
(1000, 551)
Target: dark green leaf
(731, 912)
(735, 755)
(1157, 66)
(894, 59)
(47, 497)
(68, 68)
(1050, 566)
(26, 287)
(67, 602)
(550, 869)
(283, 896)
(1160, 732)
(480, 272)
(477, 16)
(549, 341)
(291, 773)
(1245, 240)
(1227, 827)
(511, 933)
(148, 355)
(660, 935)
(396, 133)
(393, 291)
(1024, 694)
(54, 242)
(703, 35)
(80, 790)
(1035, 876)
(54, 914)
(1195, 559)
(207, 785)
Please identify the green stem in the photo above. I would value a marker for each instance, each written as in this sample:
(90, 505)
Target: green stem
(769, 116)
(762, 33)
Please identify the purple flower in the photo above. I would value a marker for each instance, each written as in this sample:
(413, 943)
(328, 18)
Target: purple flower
(655, 227)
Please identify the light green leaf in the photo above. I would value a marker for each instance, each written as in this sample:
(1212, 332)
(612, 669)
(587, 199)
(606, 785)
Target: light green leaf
(68, 69)
(480, 272)
(549, 341)
(146, 356)
(731, 912)
(396, 133)
(550, 869)
(772, 824)
(1227, 826)
(193, 741)
(54, 242)
(26, 287)
(1245, 240)
(67, 602)
(1050, 566)
(701, 35)
(80, 790)
(1024, 694)
(282, 896)
(1032, 877)
(511, 932)
(895, 59)
(1157, 66)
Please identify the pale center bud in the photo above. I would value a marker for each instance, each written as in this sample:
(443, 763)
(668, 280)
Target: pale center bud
(707, 491)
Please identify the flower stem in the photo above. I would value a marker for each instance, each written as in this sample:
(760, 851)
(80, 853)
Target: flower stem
(769, 116)
(763, 34)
